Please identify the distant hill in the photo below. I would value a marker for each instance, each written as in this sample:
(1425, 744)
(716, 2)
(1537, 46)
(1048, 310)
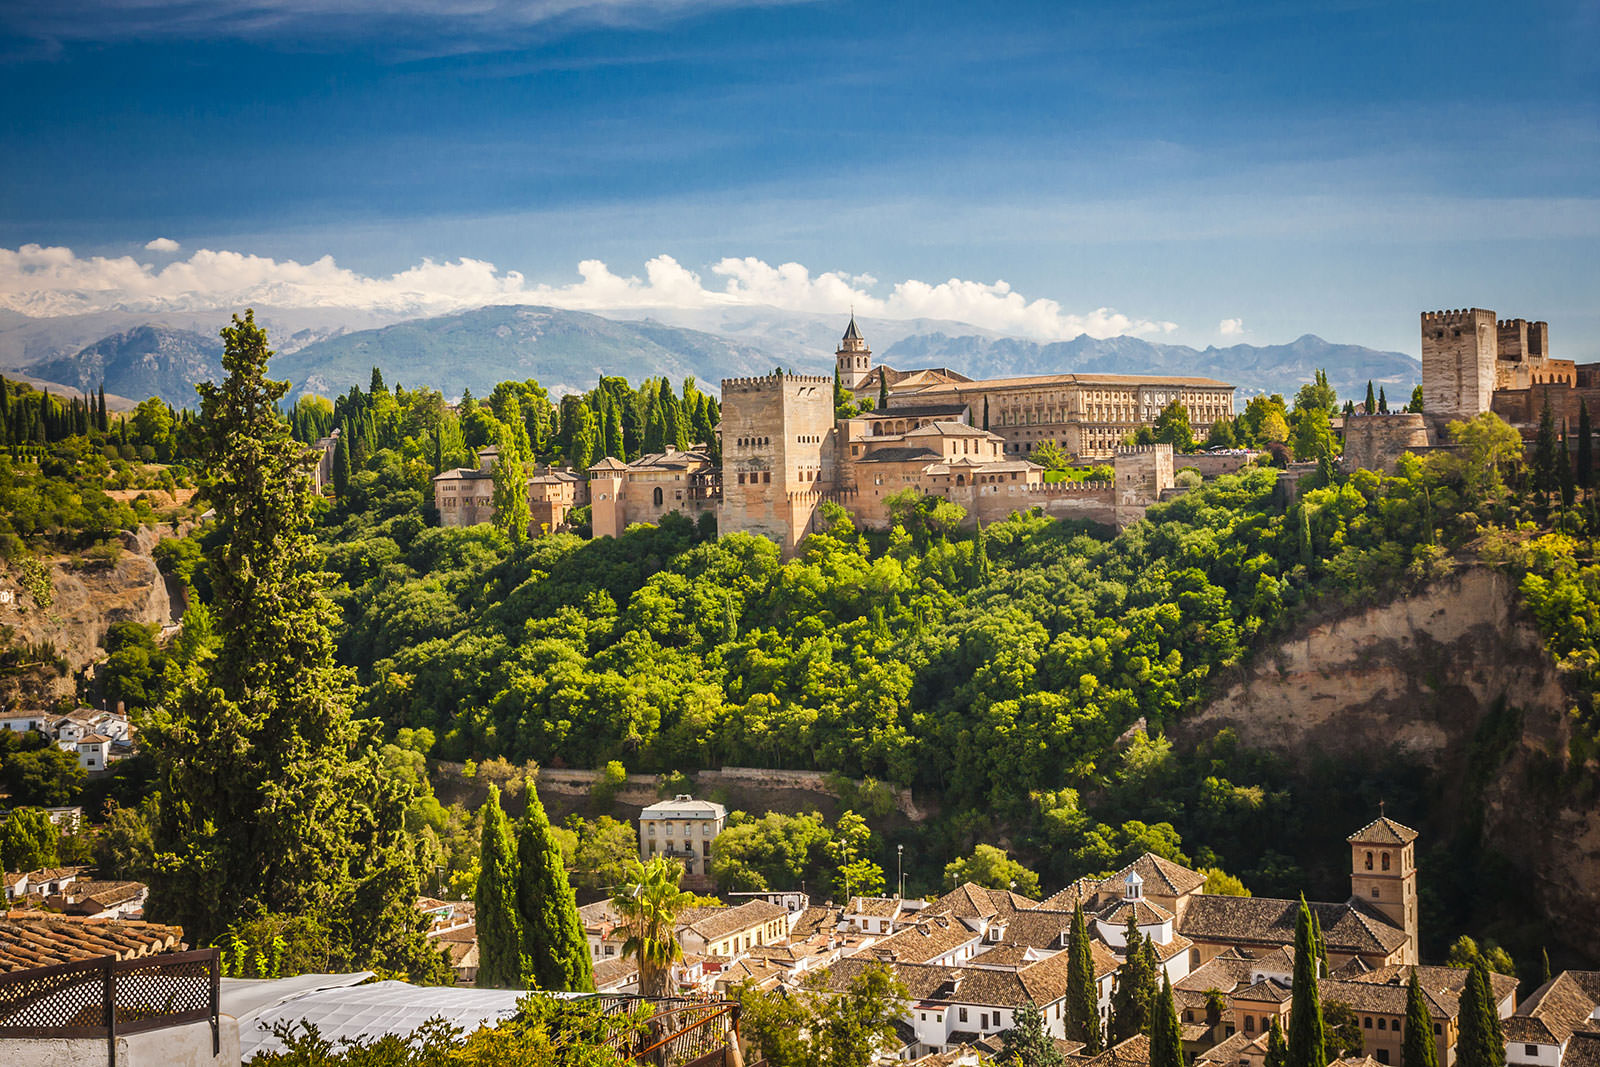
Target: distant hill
(141, 362)
(1253, 368)
(564, 350)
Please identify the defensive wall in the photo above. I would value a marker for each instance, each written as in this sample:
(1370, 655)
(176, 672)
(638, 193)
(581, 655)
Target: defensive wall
(1376, 442)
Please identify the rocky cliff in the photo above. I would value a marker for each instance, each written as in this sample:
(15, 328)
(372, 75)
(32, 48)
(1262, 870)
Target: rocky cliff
(1418, 678)
(87, 599)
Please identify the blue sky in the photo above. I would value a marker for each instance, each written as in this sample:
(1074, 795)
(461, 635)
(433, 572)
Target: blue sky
(1320, 167)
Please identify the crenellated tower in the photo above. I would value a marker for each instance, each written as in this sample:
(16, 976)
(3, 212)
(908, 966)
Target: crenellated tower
(854, 358)
(1460, 350)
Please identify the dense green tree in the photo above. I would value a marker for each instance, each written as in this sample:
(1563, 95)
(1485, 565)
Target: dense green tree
(270, 798)
(1083, 992)
(1370, 406)
(1166, 1037)
(1307, 1040)
(1585, 469)
(1478, 1044)
(1383, 402)
(1027, 1043)
(1172, 427)
(1277, 1047)
(28, 840)
(1416, 400)
(502, 963)
(1419, 1049)
(991, 868)
(341, 466)
(34, 770)
(1133, 996)
(1051, 456)
(511, 514)
(554, 945)
(1546, 454)
(1222, 434)
(124, 848)
(1313, 435)
(1342, 1027)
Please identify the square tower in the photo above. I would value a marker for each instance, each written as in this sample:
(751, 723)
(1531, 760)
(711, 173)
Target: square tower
(1459, 351)
(1383, 875)
(777, 455)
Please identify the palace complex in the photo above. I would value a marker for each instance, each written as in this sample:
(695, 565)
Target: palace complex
(784, 452)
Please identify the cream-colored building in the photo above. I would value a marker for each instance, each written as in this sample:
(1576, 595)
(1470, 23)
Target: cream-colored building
(683, 829)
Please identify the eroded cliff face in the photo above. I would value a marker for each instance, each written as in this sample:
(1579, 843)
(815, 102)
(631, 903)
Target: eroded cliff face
(1415, 678)
(87, 601)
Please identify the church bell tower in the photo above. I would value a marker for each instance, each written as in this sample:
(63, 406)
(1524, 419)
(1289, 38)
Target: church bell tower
(1383, 875)
(854, 358)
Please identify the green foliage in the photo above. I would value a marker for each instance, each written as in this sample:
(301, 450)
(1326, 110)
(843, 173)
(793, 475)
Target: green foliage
(1277, 1047)
(1222, 435)
(607, 783)
(1342, 1026)
(124, 847)
(555, 948)
(648, 904)
(1166, 1038)
(1419, 1049)
(1134, 997)
(1307, 1038)
(778, 851)
(1083, 997)
(511, 515)
(1480, 1041)
(1172, 427)
(1051, 456)
(817, 1029)
(33, 770)
(1220, 883)
(501, 960)
(28, 840)
(989, 867)
(1029, 1044)
(270, 801)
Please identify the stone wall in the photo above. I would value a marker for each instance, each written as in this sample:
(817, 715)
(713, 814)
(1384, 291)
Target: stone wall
(642, 790)
(1376, 442)
(1216, 464)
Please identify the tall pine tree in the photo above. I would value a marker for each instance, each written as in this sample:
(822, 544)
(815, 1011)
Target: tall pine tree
(1166, 1038)
(1481, 1041)
(512, 516)
(1135, 991)
(501, 964)
(1585, 471)
(554, 945)
(1370, 407)
(1307, 1039)
(883, 388)
(1083, 1000)
(1419, 1049)
(1277, 1047)
(272, 798)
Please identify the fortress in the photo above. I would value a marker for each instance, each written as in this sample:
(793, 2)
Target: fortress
(1473, 362)
(784, 452)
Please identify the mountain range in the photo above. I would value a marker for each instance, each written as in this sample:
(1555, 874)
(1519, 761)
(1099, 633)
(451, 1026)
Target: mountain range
(325, 352)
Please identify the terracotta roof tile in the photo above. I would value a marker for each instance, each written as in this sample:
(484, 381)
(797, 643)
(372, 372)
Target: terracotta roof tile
(33, 940)
(1383, 831)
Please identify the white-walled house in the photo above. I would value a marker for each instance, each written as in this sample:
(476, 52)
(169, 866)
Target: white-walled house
(1560, 1014)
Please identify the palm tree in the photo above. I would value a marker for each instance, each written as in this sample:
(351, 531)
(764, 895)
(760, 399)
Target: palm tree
(648, 904)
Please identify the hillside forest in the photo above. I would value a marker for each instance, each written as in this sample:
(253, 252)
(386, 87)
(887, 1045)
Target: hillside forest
(1024, 679)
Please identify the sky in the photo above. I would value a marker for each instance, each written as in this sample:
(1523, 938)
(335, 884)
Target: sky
(1197, 173)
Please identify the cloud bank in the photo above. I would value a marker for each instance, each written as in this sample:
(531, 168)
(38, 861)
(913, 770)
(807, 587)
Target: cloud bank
(52, 281)
(1230, 327)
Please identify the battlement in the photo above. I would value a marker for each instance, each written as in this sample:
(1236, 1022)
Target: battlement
(1453, 318)
(1063, 488)
(767, 381)
(1134, 450)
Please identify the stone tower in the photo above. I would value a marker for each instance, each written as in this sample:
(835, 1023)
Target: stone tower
(1383, 873)
(854, 358)
(1459, 352)
(777, 454)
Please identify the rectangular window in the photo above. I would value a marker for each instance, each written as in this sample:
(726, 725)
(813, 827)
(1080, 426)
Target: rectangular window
(963, 1014)
(1530, 1050)
(1366, 1022)
(1383, 1024)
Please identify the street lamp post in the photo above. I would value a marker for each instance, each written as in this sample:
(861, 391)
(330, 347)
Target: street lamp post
(899, 871)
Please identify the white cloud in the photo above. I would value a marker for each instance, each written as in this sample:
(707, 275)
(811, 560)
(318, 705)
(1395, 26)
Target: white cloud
(45, 281)
(162, 244)
(1230, 327)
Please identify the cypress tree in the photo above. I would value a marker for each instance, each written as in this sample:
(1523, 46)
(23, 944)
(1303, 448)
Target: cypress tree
(101, 413)
(985, 412)
(1277, 1047)
(1307, 1041)
(272, 798)
(1544, 453)
(438, 450)
(1166, 1039)
(1322, 946)
(1371, 405)
(341, 466)
(1416, 400)
(1419, 1049)
(980, 558)
(1585, 472)
(1383, 402)
(500, 958)
(376, 386)
(1083, 1001)
(883, 388)
(841, 399)
(554, 946)
(1564, 479)
(511, 514)
(1135, 989)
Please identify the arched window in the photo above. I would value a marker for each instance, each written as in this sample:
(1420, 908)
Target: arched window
(1369, 860)
(1386, 861)
(657, 496)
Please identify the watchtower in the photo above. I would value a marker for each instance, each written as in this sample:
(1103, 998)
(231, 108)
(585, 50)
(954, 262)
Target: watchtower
(777, 454)
(1383, 874)
(854, 358)
(1459, 352)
